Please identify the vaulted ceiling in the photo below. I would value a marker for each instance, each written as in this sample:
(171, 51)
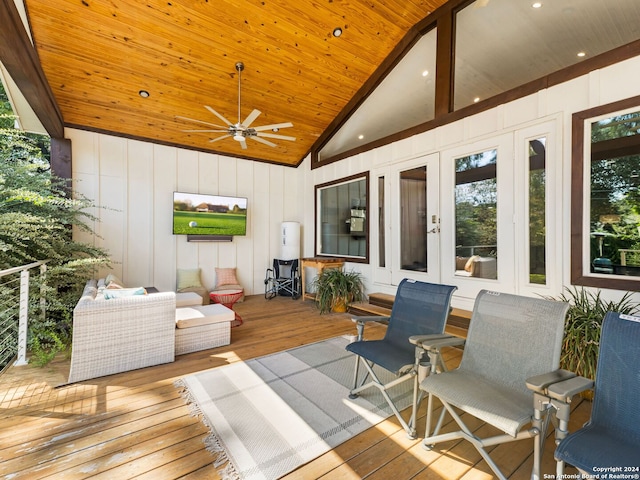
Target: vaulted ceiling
(97, 55)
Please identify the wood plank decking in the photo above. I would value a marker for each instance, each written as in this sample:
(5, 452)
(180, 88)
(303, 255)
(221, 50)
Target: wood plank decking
(136, 425)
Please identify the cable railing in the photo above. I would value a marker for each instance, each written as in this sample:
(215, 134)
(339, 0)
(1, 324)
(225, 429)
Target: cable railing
(15, 302)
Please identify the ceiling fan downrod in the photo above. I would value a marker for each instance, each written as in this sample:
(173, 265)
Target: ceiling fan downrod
(238, 136)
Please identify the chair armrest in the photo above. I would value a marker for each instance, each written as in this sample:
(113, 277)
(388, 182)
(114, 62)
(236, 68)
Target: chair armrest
(436, 341)
(540, 383)
(366, 319)
(362, 321)
(566, 389)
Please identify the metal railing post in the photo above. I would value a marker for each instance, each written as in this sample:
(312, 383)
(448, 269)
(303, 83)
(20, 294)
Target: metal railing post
(43, 300)
(23, 318)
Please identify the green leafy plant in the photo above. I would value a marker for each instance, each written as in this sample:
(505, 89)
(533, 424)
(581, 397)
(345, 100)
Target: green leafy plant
(38, 217)
(336, 287)
(583, 326)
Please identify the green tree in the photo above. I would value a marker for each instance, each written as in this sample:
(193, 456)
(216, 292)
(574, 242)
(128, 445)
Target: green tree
(476, 203)
(615, 188)
(37, 217)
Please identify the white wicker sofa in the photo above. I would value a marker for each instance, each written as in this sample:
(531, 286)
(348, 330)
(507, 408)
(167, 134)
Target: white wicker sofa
(120, 334)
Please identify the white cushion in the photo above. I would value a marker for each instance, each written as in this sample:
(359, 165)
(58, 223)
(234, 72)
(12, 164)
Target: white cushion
(194, 316)
(188, 299)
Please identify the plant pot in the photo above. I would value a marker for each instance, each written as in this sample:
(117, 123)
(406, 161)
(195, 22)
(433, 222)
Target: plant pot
(339, 307)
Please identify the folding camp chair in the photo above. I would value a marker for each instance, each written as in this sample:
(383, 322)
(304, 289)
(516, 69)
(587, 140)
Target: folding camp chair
(283, 279)
(609, 444)
(419, 309)
(510, 339)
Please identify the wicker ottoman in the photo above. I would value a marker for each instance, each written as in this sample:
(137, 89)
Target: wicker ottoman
(200, 328)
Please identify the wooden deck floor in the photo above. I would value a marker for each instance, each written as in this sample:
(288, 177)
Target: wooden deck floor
(136, 424)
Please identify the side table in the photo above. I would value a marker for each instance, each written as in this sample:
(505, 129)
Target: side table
(319, 263)
(228, 298)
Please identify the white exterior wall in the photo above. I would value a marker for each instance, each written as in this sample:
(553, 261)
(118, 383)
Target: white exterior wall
(133, 183)
(557, 104)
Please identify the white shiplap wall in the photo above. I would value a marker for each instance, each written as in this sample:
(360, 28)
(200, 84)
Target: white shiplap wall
(132, 183)
(557, 103)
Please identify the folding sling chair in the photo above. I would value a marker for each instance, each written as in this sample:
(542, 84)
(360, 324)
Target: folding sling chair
(283, 279)
(419, 309)
(610, 442)
(510, 339)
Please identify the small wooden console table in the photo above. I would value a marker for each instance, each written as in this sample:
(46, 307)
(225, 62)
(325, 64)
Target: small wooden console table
(319, 263)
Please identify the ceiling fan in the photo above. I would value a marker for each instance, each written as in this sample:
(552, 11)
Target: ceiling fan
(242, 130)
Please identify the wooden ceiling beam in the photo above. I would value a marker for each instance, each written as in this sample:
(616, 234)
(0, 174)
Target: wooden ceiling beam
(20, 59)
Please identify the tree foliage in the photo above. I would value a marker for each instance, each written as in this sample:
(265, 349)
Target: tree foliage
(615, 191)
(37, 217)
(476, 206)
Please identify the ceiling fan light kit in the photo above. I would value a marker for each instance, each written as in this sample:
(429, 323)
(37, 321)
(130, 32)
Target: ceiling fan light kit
(240, 131)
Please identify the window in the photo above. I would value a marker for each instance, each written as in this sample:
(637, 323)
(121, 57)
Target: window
(476, 215)
(381, 225)
(502, 44)
(605, 250)
(404, 99)
(341, 218)
(413, 219)
(537, 211)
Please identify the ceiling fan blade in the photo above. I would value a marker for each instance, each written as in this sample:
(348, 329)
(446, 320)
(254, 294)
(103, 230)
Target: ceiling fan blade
(262, 140)
(271, 127)
(203, 131)
(199, 121)
(273, 135)
(218, 115)
(243, 144)
(218, 138)
(252, 116)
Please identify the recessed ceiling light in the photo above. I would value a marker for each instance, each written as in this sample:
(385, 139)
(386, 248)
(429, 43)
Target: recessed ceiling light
(360, 137)
(425, 73)
(536, 5)
(476, 100)
(582, 54)
(143, 94)
(337, 32)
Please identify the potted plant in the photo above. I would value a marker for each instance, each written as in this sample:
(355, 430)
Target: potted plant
(336, 289)
(583, 325)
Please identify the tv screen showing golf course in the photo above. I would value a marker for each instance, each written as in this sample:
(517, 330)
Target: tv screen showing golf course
(198, 214)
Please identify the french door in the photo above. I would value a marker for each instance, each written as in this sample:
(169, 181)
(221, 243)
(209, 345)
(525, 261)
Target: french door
(479, 215)
(407, 218)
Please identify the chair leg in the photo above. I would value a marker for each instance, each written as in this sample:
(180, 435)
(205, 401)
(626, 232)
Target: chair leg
(536, 423)
(417, 399)
(375, 382)
(563, 411)
(355, 379)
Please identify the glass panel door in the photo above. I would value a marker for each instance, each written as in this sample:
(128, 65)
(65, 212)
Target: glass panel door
(539, 221)
(381, 218)
(416, 223)
(478, 216)
(476, 221)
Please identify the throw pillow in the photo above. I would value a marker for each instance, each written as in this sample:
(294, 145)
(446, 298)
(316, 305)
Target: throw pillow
(188, 278)
(123, 292)
(226, 276)
(469, 265)
(113, 282)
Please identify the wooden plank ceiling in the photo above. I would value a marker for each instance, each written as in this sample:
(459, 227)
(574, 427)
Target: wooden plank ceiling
(98, 54)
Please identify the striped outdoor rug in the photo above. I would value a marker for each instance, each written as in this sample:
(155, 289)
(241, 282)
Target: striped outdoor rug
(269, 415)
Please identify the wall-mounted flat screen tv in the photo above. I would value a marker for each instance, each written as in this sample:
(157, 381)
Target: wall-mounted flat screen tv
(198, 214)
